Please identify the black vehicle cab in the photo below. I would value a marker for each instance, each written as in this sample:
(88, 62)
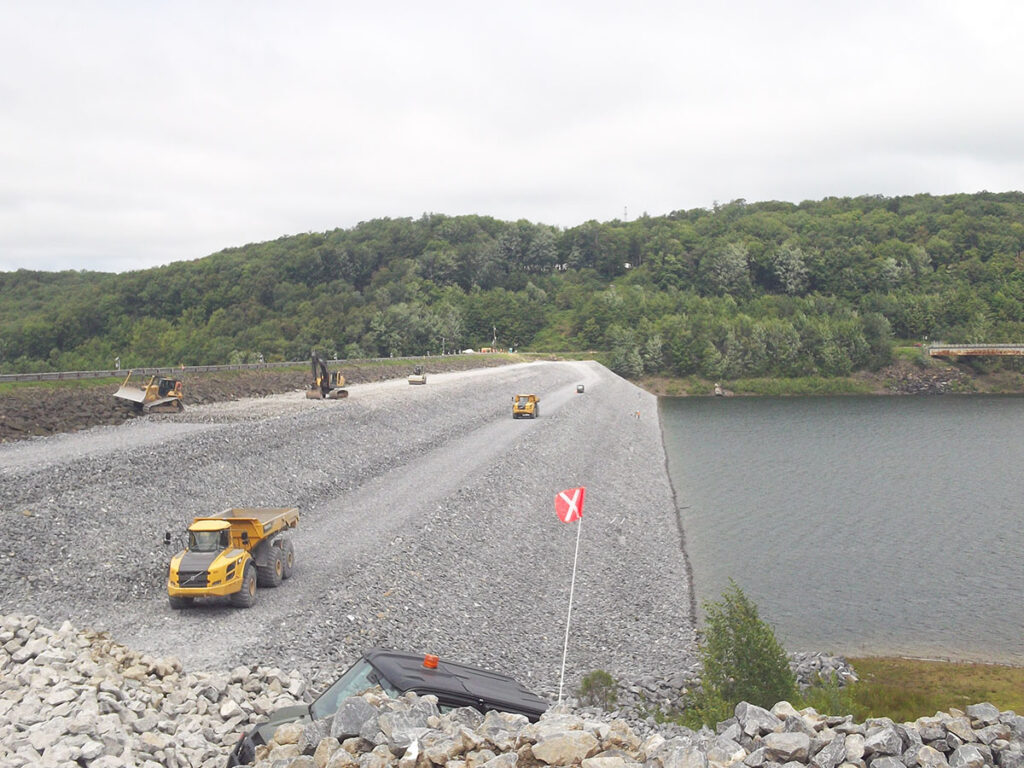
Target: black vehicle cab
(454, 685)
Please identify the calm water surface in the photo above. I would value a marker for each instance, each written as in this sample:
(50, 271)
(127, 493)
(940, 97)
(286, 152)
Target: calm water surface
(859, 525)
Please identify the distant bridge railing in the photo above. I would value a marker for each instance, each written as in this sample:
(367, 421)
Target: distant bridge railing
(976, 350)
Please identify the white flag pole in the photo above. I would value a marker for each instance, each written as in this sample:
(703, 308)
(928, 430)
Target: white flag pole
(568, 618)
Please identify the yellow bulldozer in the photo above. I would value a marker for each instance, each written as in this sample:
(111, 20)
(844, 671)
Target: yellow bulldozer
(326, 385)
(159, 395)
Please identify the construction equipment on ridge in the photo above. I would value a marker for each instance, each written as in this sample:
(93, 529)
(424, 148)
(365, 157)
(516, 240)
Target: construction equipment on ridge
(159, 395)
(418, 376)
(326, 384)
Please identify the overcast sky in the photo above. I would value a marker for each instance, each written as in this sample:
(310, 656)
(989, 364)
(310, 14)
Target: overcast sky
(141, 133)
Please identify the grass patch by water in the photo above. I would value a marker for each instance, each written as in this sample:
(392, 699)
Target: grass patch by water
(902, 690)
(804, 385)
(906, 689)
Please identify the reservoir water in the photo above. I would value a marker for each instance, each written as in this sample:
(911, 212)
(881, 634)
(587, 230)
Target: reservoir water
(859, 525)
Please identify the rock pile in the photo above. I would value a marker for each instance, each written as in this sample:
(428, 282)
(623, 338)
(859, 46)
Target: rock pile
(927, 380)
(372, 731)
(71, 698)
(810, 667)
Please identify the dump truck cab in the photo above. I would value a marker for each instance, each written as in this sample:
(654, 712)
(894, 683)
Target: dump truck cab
(525, 407)
(231, 553)
(209, 536)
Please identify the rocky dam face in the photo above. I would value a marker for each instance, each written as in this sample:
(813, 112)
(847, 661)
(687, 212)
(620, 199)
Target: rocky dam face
(427, 524)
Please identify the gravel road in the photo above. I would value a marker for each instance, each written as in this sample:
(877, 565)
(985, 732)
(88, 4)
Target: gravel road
(427, 524)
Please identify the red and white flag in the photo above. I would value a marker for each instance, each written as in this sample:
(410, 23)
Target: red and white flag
(569, 504)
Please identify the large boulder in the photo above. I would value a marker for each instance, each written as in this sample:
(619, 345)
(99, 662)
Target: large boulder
(567, 748)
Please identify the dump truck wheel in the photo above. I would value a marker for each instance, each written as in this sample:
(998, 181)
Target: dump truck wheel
(246, 596)
(177, 602)
(271, 575)
(289, 559)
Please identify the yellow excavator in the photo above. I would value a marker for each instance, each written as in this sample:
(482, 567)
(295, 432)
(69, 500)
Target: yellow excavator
(326, 385)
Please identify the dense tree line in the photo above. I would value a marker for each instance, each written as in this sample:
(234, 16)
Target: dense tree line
(743, 289)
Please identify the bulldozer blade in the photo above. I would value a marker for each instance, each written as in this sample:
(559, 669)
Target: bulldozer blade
(134, 394)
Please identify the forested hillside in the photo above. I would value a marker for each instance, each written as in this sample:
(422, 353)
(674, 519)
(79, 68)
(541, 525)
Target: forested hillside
(744, 289)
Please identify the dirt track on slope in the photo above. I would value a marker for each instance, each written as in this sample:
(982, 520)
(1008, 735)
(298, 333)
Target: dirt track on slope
(31, 411)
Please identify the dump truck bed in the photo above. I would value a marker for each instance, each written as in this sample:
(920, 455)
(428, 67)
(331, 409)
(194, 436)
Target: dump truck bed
(255, 522)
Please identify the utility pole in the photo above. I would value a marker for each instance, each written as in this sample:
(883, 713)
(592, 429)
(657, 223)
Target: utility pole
(494, 336)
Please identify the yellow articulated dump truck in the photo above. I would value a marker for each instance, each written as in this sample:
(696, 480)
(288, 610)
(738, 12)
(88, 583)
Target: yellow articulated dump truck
(525, 407)
(233, 552)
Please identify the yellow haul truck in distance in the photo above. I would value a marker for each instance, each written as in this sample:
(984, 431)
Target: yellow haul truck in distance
(525, 407)
(232, 552)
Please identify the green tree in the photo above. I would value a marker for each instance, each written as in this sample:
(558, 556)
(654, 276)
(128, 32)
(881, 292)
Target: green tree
(741, 658)
(790, 271)
(725, 270)
(625, 354)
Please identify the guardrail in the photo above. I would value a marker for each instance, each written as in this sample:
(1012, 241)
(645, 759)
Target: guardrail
(186, 369)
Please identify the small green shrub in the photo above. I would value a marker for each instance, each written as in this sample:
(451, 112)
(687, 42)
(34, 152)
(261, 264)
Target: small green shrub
(741, 658)
(598, 689)
(706, 708)
(828, 697)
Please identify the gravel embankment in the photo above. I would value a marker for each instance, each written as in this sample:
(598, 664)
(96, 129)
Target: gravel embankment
(427, 524)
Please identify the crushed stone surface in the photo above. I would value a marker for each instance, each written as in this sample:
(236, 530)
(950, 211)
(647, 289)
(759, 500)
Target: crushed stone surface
(427, 524)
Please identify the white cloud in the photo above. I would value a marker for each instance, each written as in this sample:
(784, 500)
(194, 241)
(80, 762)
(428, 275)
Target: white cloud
(136, 134)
